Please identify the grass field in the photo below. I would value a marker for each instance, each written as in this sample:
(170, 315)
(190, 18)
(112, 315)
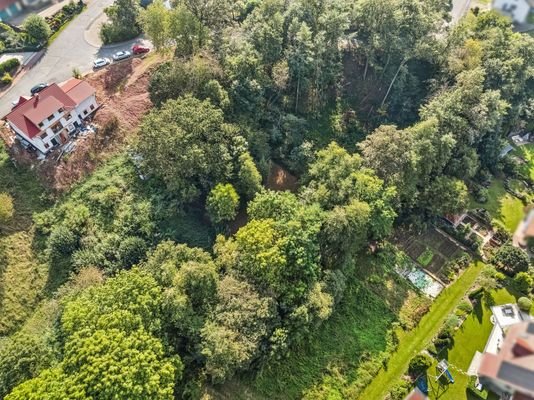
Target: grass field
(527, 152)
(469, 338)
(505, 209)
(22, 276)
(419, 338)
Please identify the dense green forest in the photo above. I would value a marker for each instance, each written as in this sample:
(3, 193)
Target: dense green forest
(386, 112)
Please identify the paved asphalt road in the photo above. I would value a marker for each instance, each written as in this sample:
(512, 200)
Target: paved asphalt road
(70, 50)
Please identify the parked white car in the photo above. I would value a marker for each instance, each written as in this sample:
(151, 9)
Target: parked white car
(121, 55)
(101, 62)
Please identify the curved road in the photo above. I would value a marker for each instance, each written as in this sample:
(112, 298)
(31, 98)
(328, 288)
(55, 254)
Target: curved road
(70, 50)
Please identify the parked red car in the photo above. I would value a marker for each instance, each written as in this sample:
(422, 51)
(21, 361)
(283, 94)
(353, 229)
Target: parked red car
(137, 49)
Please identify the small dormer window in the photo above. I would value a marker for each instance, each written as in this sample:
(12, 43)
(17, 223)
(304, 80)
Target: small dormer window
(50, 118)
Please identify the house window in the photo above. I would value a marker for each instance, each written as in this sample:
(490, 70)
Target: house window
(92, 107)
(61, 110)
(84, 112)
(41, 124)
(43, 135)
(46, 145)
(50, 118)
(57, 128)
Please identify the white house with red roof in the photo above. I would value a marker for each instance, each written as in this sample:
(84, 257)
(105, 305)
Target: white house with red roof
(46, 119)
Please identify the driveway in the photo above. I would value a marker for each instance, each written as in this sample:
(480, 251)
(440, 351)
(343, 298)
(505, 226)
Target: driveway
(70, 50)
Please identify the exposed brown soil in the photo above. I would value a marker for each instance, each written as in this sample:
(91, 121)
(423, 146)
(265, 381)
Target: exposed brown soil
(122, 93)
(279, 179)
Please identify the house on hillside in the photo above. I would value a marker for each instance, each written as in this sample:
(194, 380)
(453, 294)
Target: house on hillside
(509, 371)
(518, 10)
(48, 118)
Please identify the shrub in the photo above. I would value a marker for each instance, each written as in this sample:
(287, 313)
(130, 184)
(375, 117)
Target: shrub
(37, 29)
(9, 65)
(6, 207)
(465, 306)
(442, 343)
(131, 251)
(419, 364)
(524, 282)
(477, 293)
(451, 323)
(400, 390)
(511, 260)
(6, 79)
(524, 304)
(76, 73)
(62, 241)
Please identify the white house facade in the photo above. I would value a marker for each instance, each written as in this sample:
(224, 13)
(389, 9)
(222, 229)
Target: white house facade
(518, 10)
(47, 119)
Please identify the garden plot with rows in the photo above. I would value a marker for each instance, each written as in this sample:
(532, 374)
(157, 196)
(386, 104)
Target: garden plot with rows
(434, 252)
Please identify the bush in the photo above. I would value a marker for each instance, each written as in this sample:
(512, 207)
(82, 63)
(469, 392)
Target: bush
(62, 241)
(452, 322)
(9, 65)
(511, 260)
(419, 364)
(524, 304)
(477, 293)
(131, 251)
(37, 29)
(524, 282)
(6, 79)
(400, 390)
(465, 306)
(6, 207)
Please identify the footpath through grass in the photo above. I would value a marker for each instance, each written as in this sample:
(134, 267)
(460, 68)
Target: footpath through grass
(414, 341)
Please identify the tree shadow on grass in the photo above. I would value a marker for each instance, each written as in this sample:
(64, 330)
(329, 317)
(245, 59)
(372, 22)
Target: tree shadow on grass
(478, 310)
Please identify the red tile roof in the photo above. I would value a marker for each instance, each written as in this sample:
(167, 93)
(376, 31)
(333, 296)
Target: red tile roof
(516, 355)
(6, 3)
(28, 114)
(78, 90)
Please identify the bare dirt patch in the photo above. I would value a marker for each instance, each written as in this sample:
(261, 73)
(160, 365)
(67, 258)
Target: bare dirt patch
(122, 93)
(280, 179)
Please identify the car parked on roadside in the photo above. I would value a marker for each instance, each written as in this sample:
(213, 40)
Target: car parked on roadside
(101, 62)
(138, 49)
(37, 88)
(121, 55)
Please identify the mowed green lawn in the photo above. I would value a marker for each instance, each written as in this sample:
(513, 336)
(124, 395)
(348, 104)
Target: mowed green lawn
(527, 153)
(469, 338)
(505, 209)
(416, 340)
